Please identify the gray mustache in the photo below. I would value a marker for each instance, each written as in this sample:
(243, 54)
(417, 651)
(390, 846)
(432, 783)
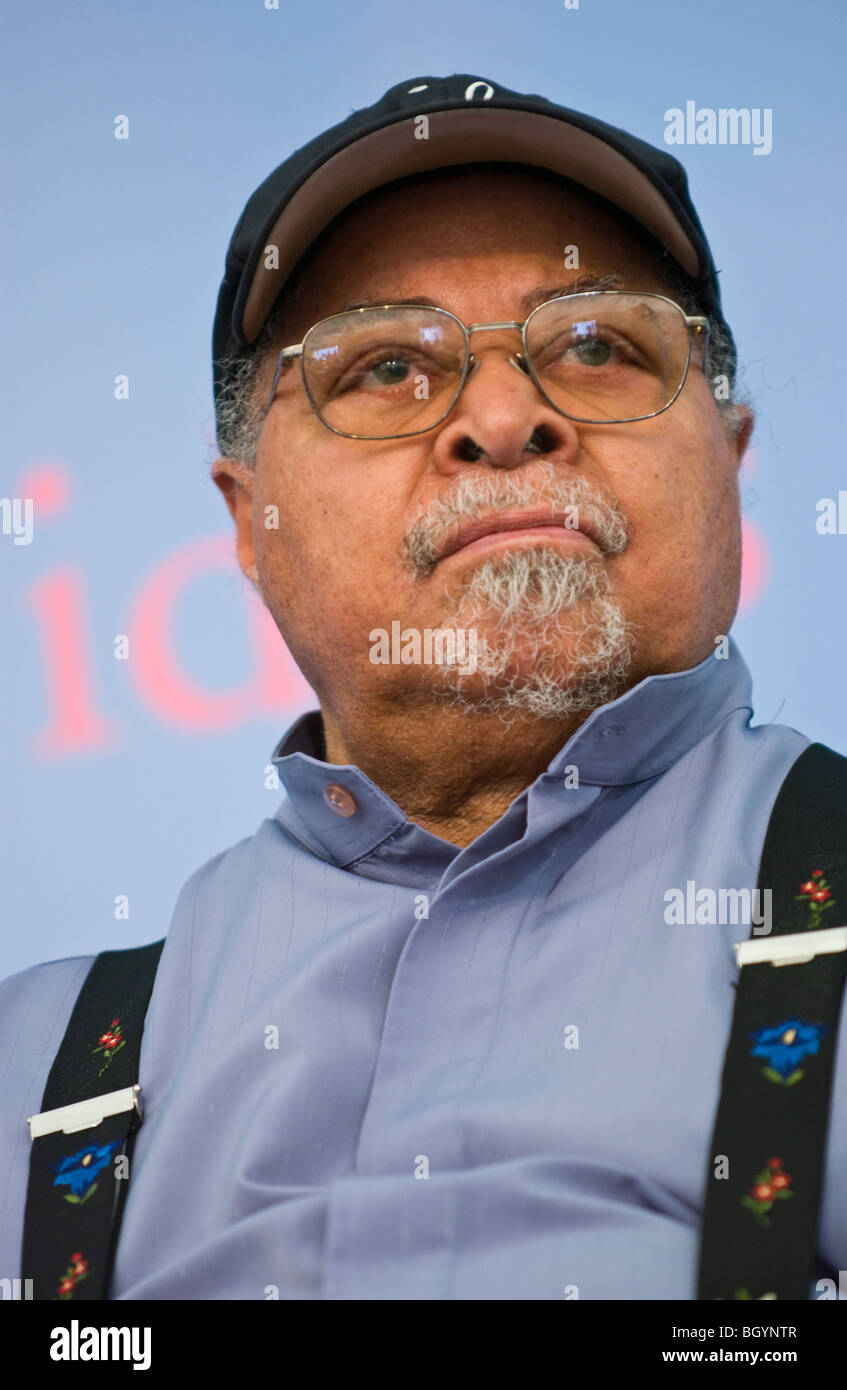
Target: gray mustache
(473, 496)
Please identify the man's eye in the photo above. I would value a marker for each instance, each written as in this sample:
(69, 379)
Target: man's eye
(592, 353)
(389, 370)
(390, 367)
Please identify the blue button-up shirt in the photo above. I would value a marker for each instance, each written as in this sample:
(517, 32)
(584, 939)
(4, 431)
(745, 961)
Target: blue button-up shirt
(377, 1065)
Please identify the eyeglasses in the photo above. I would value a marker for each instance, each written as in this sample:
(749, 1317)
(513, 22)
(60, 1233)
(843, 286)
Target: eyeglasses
(598, 357)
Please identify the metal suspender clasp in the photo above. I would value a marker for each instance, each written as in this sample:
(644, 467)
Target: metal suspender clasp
(85, 1114)
(795, 948)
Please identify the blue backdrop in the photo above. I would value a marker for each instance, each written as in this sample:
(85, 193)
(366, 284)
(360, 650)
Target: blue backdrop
(122, 776)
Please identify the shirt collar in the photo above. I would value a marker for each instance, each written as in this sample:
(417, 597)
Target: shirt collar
(637, 736)
(649, 727)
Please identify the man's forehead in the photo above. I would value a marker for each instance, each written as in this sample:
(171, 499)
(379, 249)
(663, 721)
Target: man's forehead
(503, 209)
(405, 243)
(539, 294)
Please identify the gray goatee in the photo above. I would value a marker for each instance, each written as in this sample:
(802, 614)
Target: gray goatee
(551, 637)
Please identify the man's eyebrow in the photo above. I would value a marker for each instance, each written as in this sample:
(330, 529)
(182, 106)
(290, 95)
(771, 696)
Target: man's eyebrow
(391, 300)
(530, 301)
(542, 293)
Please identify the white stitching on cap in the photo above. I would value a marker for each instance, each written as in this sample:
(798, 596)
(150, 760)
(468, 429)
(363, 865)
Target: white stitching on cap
(489, 91)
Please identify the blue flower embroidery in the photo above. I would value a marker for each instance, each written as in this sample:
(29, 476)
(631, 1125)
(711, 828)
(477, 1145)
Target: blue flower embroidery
(78, 1171)
(785, 1046)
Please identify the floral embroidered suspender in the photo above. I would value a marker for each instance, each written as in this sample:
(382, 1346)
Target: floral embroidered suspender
(82, 1140)
(765, 1164)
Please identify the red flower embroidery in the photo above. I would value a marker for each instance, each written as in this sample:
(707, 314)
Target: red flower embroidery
(817, 893)
(76, 1271)
(769, 1186)
(110, 1043)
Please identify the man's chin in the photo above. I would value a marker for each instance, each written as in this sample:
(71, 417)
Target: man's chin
(548, 674)
(542, 633)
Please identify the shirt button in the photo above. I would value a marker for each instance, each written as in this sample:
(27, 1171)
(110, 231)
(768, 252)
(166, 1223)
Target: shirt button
(339, 800)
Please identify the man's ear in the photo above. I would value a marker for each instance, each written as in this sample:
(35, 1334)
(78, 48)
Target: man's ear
(742, 431)
(236, 481)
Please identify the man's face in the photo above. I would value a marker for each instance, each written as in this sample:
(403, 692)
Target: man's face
(652, 596)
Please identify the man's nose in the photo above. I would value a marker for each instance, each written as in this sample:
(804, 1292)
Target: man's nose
(501, 416)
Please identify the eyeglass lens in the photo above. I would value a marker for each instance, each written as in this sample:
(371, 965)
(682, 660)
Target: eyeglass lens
(391, 371)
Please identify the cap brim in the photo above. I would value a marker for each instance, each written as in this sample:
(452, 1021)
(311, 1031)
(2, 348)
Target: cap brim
(461, 136)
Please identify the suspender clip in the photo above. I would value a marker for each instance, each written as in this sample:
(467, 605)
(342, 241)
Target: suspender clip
(85, 1114)
(794, 948)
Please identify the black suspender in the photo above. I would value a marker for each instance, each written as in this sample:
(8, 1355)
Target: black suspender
(82, 1140)
(766, 1159)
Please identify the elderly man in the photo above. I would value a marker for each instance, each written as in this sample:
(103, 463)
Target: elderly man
(434, 1030)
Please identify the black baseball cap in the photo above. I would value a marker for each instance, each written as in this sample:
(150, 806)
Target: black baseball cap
(470, 120)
